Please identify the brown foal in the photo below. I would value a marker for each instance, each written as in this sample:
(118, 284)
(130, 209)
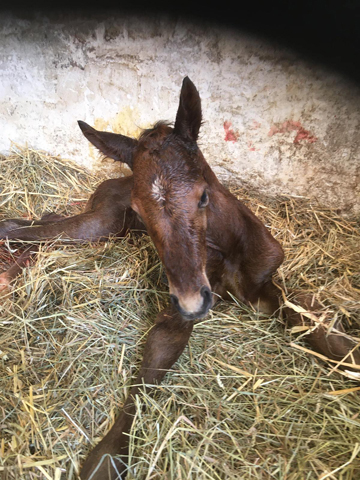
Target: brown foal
(211, 245)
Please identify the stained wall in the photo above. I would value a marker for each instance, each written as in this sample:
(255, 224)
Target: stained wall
(272, 119)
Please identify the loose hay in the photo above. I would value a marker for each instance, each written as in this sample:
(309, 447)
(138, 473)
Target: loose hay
(240, 403)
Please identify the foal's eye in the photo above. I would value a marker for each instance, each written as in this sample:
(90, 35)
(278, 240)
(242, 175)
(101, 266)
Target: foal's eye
(204, 200)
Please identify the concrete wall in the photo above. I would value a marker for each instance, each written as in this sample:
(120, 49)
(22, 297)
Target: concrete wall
(272, 120)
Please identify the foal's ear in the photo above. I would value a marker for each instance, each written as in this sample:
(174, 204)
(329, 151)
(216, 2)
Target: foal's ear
(113, 145)
(188, 117)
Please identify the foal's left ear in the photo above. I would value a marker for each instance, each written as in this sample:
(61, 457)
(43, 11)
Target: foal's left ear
(113, 145)
(188, 117)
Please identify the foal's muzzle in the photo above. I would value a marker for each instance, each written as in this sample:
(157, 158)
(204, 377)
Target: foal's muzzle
(206, 297)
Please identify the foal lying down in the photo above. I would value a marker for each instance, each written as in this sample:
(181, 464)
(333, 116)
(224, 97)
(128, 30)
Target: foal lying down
(211, 245)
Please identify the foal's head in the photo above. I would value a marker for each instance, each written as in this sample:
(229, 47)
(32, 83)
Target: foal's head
(171, 196)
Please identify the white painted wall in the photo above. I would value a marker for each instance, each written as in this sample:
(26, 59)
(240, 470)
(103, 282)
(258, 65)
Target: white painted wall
(272, 120)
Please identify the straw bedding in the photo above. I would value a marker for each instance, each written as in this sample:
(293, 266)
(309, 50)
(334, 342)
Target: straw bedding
(245, 400)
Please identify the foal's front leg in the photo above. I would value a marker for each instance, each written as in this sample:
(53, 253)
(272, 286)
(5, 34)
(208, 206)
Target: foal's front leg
(107, 212)
(164, 345)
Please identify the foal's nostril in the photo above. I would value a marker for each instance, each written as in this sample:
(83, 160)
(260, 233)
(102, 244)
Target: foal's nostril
(206, 294)
(175, 301)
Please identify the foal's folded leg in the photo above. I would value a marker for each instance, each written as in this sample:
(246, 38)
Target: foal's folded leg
(87, 226)
(164, 345)
(331, 342)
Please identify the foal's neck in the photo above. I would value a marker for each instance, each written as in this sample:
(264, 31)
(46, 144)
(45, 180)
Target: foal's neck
(225, 215)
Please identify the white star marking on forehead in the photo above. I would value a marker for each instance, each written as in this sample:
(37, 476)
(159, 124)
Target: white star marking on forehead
(158, 190)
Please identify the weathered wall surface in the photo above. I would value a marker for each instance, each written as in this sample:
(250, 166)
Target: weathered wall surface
(272, 120)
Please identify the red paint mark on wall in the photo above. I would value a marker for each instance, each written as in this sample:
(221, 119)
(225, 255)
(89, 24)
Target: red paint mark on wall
(230, 134)
(290, 126)
(251, 147)
(303, 134)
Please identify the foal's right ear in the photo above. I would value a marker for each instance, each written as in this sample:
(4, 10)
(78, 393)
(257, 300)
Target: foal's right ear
(113, 145)
(188, 117)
